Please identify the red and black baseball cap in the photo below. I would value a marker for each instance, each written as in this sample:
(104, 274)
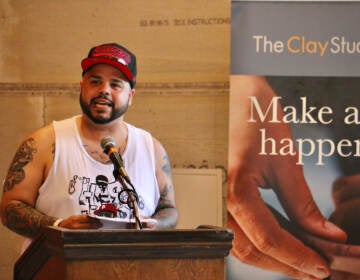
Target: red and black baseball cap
(115, 55)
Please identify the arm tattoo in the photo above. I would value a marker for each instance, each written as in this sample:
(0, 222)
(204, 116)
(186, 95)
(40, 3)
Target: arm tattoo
(166, 213)
(23, 156)
(166, 168)
(53, 150)
(163, 201)
(26, 220)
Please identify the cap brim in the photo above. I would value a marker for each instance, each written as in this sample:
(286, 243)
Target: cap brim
(91, 61)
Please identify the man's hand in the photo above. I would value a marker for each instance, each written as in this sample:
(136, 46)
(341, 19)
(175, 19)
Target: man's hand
(80, 222)
(149, 223)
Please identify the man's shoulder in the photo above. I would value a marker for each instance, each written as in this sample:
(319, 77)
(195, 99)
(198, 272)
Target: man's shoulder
(43, 134)
(134, 129)
(47, 132)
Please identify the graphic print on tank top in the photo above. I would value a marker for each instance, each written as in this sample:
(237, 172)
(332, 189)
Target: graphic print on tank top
(91, 194)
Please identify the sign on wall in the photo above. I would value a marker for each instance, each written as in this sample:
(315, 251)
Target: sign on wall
(295, 38)
(294, 138)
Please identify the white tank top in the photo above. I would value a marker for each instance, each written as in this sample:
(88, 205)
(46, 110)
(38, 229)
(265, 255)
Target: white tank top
(78, 184)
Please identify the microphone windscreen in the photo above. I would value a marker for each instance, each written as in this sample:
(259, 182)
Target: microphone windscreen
(107, 142)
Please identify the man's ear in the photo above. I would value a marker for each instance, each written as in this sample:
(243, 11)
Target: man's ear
(131, 96)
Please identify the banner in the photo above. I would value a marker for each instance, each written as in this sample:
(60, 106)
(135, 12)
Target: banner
(295, 38)
(294, 135)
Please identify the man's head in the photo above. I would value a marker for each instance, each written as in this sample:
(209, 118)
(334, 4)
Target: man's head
(107, 85)
(114, 55)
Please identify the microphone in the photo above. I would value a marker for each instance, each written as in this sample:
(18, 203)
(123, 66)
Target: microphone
(108, 144)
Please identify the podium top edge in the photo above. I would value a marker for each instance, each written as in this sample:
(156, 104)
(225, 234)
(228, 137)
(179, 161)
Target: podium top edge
(134, 235)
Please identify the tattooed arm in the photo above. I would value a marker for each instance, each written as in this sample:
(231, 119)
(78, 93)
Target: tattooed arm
(166, 213)
(24, 219)
(26, 173)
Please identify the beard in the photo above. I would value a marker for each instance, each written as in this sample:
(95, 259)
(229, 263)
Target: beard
(115, 113)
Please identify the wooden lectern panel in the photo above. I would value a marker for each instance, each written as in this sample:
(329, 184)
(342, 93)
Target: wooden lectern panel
(149, 269)
(59, 254)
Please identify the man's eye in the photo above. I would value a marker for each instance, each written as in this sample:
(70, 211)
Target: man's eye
(95, 82)
(116, 85)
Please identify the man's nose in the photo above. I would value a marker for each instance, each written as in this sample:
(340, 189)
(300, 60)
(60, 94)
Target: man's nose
(105, 88)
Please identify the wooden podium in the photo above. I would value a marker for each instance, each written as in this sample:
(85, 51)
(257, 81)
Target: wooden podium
(126, 254)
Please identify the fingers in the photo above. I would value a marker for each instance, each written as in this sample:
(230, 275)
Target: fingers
(346, 188)
(346, 195)
(298, 203)
(81, 222)
(346, 216)
(246, 252)
(261, 229)
(338, 275)
(149, 225)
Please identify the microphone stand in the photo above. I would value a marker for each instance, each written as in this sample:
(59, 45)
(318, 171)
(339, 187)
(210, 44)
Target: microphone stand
(132, 200)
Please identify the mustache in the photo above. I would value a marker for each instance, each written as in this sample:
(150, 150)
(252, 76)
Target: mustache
(101, 98)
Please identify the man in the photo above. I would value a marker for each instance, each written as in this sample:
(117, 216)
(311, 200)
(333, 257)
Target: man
(60, 174)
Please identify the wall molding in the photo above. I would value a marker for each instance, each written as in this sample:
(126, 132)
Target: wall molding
(185, 88)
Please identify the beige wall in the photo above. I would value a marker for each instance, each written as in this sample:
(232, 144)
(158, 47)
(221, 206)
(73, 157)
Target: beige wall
(183, 62)
(175, 41)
